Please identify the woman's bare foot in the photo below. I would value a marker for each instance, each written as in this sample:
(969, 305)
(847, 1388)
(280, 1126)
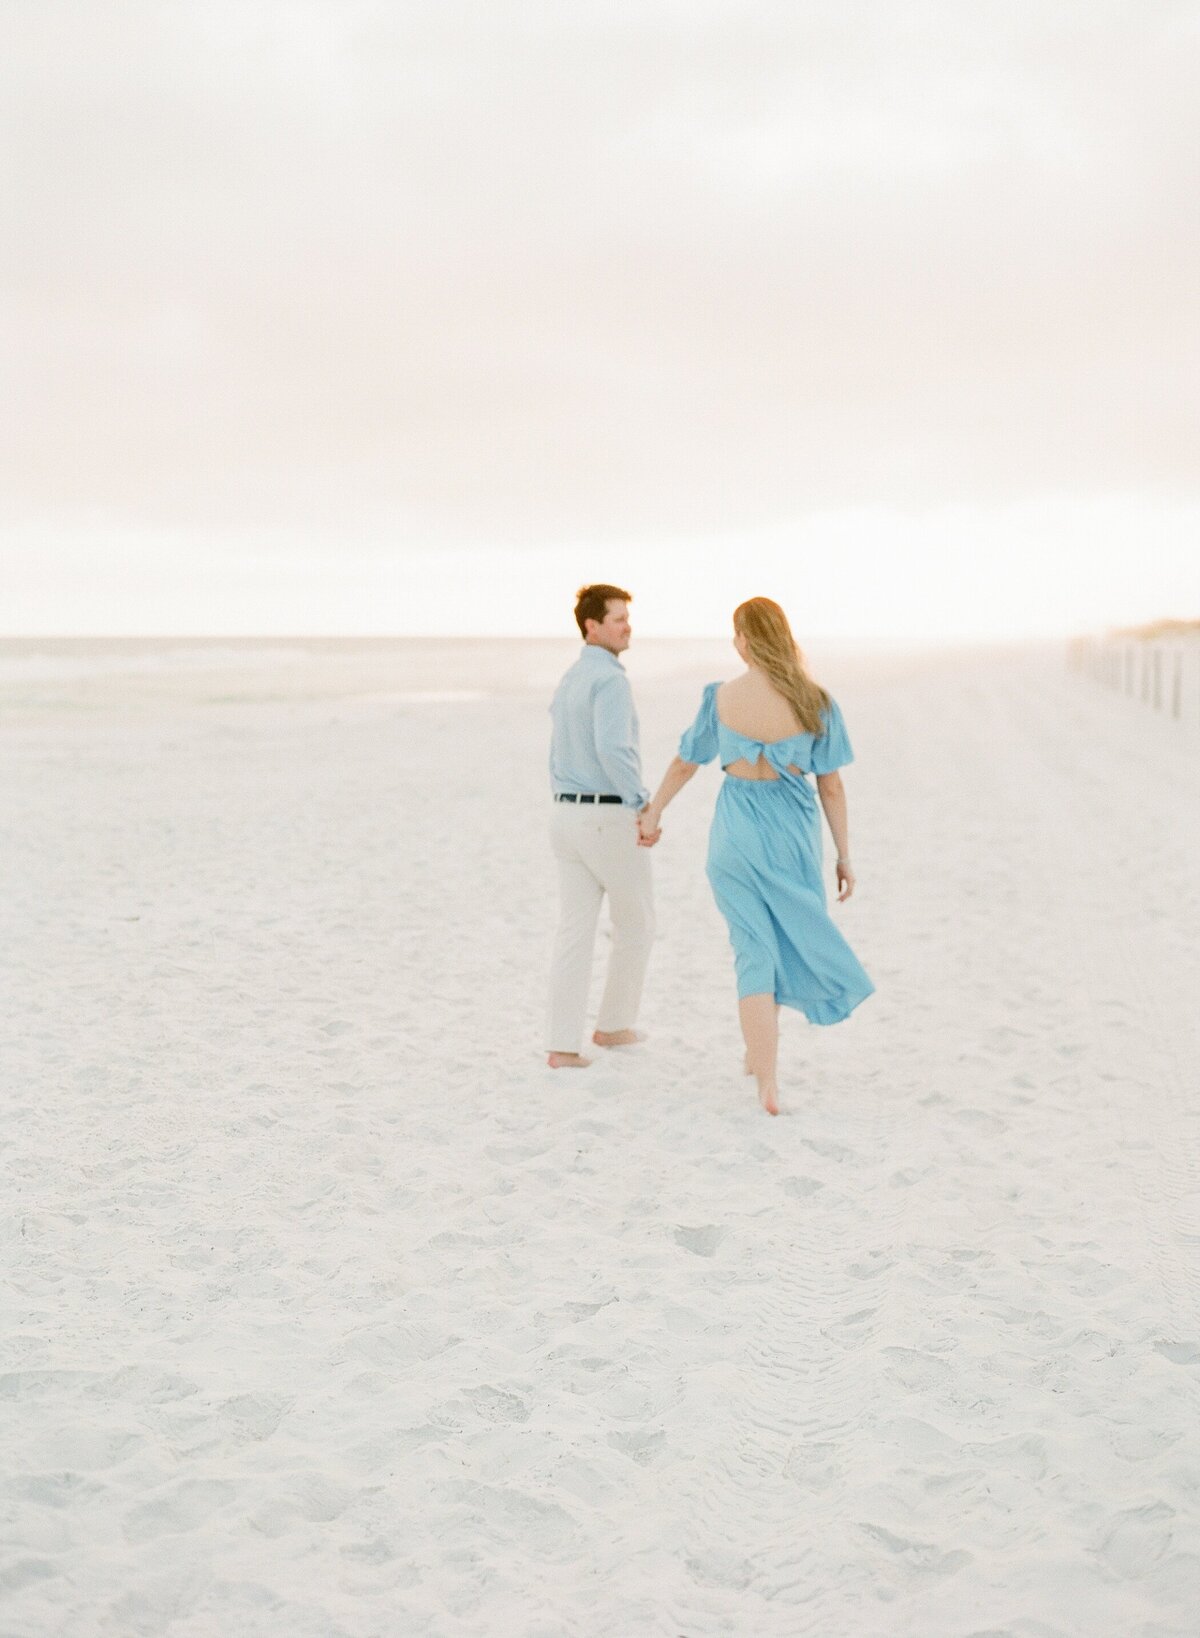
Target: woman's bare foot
(768, 1096)
(567, 1060)
(759, 1015)
(617, 1037)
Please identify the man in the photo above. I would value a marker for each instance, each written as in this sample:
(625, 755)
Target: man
(596, 777)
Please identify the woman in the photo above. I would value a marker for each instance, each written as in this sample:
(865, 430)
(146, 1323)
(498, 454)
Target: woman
(770, 728)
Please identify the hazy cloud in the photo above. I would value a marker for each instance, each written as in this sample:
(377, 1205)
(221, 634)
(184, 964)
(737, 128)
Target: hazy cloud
(504, 271)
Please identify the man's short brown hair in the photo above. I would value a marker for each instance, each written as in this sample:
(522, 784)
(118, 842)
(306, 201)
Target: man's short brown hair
(592, 604)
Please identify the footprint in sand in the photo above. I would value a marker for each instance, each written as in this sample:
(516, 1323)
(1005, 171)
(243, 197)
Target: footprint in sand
(188, 1505)
(981, 1121)
(800, 1187)
(813, 1466)
(719, 1568)
(49, 1489)
(1138, 1444)
(905, 1178)
(702, 1242)
(394, 1347)
(830, 1151)
(577, 1311)
(377, 1550)
(159, 1603)
(19, 1384)
(917, 1371)
(923, 1554)
(250, 1417)
(876, 1263)
(1139, 1539)
(1005, 1039)
(88, 1450)
(1024, 1456)
(510, 1154)
(515, 1516)
(852, 1331)
(1179, 1353)
(319, 1500)
(495, 1405)
(639, 1446)
(25, 1572)
(1094, 1346)
(917, 1440)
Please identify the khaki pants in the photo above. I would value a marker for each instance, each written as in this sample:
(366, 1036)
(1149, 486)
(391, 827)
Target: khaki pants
(596, 849)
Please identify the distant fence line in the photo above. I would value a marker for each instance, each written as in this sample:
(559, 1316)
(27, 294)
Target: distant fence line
(1161, 672)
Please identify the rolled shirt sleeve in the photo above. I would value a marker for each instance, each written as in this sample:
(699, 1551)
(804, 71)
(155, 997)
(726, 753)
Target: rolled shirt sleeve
(616, 733)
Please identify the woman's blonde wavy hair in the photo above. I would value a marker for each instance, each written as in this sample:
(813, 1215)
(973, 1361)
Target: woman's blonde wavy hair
(772, 647)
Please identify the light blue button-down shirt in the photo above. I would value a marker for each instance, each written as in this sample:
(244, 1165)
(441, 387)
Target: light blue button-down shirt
(594, 739)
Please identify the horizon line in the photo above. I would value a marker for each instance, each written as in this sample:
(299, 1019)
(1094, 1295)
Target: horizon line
(535, 636)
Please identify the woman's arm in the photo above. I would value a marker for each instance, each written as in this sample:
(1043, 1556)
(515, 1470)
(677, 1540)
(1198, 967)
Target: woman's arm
(833, 799)
(675, 778)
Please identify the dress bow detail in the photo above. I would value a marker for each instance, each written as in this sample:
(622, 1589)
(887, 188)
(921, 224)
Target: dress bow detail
(778, 754)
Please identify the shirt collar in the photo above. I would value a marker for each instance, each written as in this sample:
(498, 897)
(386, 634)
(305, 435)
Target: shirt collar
(605, 655)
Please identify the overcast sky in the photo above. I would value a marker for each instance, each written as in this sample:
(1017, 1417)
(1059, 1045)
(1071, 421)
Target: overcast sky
(392, 316)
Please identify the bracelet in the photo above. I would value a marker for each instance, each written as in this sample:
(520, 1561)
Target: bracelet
(840, 860)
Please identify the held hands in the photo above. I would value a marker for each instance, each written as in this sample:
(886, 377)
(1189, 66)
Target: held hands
(845, 880)
(649, 828)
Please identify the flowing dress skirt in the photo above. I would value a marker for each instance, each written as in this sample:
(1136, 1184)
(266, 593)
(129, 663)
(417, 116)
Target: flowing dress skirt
(764, 864)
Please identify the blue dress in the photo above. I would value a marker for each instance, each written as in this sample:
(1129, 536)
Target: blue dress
(764, 864)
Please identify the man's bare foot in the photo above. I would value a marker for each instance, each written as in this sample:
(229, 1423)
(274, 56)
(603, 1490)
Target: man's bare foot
(768, 1096)
(617, 1037)
(567, 1060)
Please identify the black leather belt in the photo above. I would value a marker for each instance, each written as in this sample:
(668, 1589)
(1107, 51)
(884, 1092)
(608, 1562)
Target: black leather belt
(571, 796)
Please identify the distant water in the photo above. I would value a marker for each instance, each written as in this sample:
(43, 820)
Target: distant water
(106, 675)
(96, 673)
(67, 659)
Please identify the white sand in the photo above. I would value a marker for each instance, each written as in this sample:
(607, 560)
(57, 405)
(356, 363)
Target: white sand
(333, 1314)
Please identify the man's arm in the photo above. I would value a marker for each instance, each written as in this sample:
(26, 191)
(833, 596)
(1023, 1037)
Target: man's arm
(615, 747)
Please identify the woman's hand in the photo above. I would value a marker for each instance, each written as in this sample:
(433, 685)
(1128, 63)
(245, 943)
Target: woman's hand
(649, 827)
(650, 817)
(845, 880)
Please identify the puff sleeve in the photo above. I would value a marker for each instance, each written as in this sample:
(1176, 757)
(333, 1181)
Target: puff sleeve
(699, 742)
(833, 749)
